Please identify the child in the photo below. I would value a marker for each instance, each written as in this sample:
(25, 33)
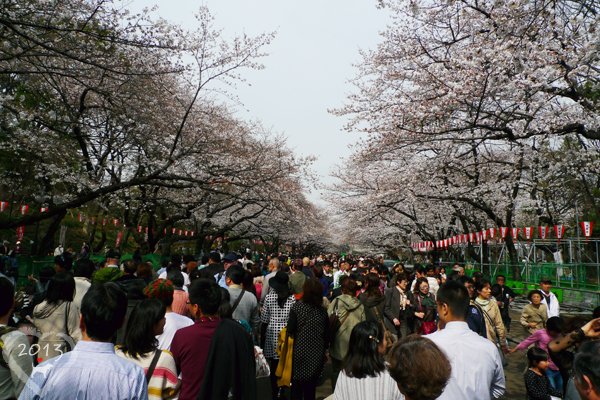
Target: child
(540, 339)
(537, 383)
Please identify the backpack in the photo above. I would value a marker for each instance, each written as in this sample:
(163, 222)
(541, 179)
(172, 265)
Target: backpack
(3, 331)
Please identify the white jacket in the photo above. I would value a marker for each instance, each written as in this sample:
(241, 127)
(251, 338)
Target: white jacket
(553, 307)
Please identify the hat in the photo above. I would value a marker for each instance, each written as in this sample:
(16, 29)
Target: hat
(279, 281)
(230, 257)
(159, 289)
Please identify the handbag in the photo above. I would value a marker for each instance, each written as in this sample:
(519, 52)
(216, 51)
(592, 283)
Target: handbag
(426, 327)
(390, 338)
(498, 345)
(285, 347)
(262, 366)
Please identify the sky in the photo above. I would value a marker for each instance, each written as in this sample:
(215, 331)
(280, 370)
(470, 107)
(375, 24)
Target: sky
(307, 70)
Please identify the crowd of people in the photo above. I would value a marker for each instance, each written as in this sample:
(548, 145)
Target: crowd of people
(211, 328)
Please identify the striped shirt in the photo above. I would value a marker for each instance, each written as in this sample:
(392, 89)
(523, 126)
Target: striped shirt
(163, 382)
(91, 371)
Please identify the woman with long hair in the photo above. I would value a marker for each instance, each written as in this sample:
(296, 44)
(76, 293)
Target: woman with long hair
(425, 308)
(365, 374)
(57, 318)
(307, 324)
(274, 317)
(495, 330)
(372, 298)
(147, 320)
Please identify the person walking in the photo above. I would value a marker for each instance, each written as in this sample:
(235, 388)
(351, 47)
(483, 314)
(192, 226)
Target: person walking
(307, 324)
(365, 375)
(424, 308)
(274, 317)
(398, 307)
(57, 318)
(146, 321)
(92, 370)
(350, 312)
(477, 371)
(535, 314)
(495, 330)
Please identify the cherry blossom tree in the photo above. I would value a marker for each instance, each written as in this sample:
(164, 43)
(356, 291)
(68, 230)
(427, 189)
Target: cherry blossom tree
(477, 113)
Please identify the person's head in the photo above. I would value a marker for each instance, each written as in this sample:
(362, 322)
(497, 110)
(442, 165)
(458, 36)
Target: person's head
(586, 370)
(60, 288)
(402, 281)
(422, 286)
(161, 289)
(176, 277)
(129, 267)
(205, 297)
(312, 292)
(398, 268)
(483, 288)
(144, 271)
(596, 313)
(421, 272)
(296, 265)
(327, 267)
(63, 262)
(349, 286)
(537, 358)
(274, 264)
(7, 297)
(305, 262)
(146, 320)
(546, 285)
(112, 257)
(535, 297)
(84, 268)
(235, 275)
(372, 285)
(229, 260)
(103, 310)
(204, 260)
(458, 269)
(430, 270)
(365, 350)
(214, 257)
(421, 370)
(452, 302)
(554, 326)
(500, 280)
(468, 283)
(225, 309)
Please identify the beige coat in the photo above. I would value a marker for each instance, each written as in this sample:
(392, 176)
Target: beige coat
(53, 326)
(350, 312)
(532, 314)
(494, 326)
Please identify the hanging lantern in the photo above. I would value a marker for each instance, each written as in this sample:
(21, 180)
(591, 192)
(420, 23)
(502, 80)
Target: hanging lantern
(559, 231)
(586, 228)
(515, 233)
(543, 231)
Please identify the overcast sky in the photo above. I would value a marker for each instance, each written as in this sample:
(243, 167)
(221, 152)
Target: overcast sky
(307, 70)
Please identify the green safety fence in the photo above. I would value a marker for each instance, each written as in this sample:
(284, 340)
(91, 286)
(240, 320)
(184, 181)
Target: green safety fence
(32, 265)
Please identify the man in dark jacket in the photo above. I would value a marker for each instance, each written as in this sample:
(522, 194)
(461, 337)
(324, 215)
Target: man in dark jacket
(504, 296)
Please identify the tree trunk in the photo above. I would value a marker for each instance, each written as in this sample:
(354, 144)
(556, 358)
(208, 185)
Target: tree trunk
(47, 243)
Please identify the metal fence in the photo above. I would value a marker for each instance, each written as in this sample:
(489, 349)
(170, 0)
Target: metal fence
(572, 264)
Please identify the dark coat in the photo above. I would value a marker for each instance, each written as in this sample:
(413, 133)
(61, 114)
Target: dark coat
(392, 309)
(230, 364)
(373, 307)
